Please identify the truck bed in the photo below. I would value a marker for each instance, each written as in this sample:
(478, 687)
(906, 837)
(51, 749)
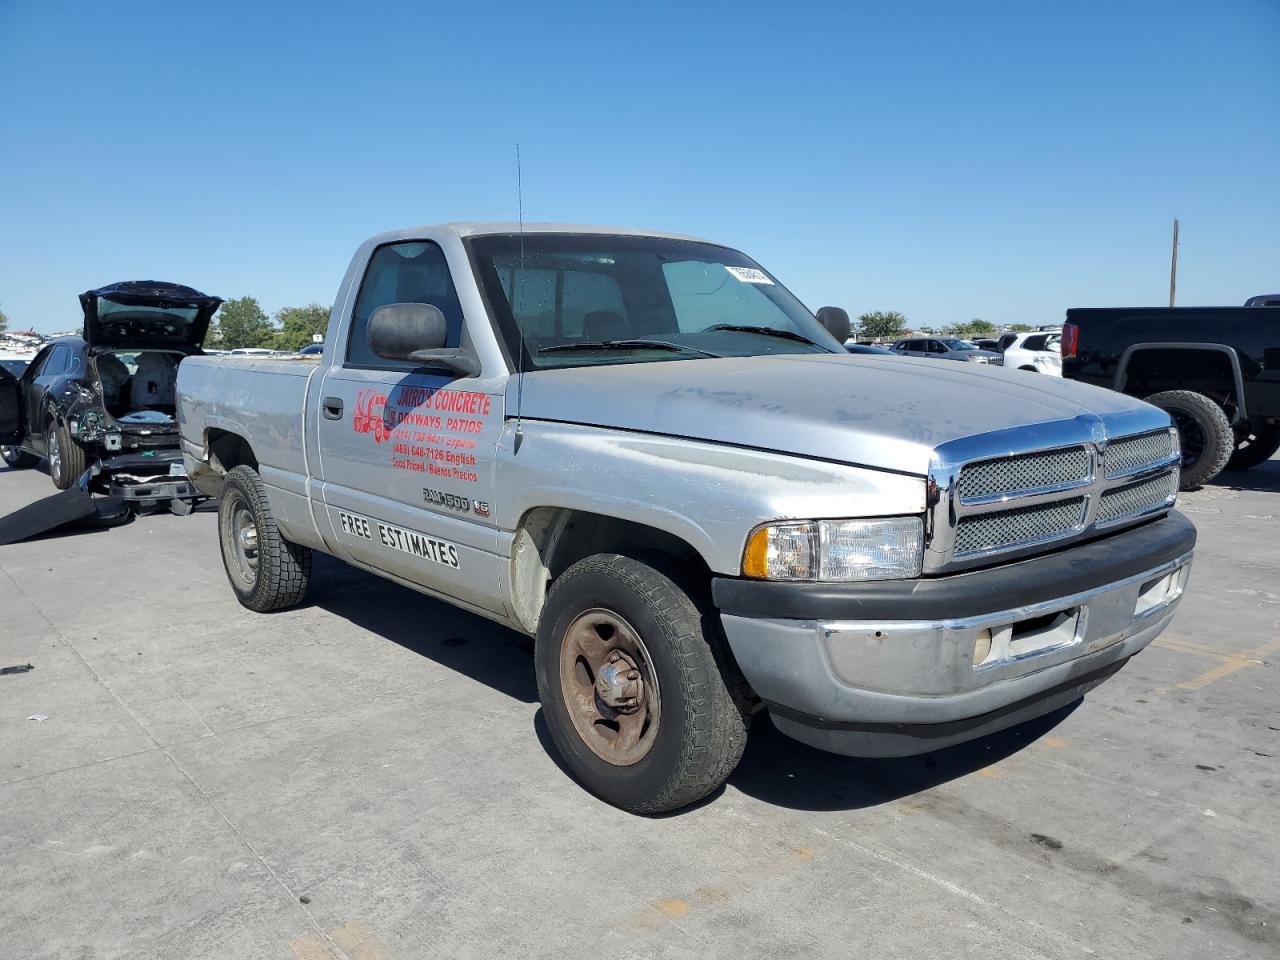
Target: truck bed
(263, 398)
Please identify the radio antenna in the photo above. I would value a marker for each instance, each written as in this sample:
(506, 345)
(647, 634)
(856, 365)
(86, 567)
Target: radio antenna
(516, 285)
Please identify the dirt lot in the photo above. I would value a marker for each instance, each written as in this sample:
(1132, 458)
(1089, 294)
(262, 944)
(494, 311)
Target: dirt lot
(369, 778)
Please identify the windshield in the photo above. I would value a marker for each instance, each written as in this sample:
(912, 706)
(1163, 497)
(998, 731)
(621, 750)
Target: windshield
(587, 299)
(961, 345)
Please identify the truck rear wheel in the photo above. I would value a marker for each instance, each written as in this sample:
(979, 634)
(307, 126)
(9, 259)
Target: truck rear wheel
(267, 572)
(638, 688)
(1254, 446)
(1205, 433)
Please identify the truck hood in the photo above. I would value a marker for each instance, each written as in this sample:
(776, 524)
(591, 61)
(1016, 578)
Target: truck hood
(883, 412)
(146, 315)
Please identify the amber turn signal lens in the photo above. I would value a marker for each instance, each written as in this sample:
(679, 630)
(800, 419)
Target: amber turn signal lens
(755, 559)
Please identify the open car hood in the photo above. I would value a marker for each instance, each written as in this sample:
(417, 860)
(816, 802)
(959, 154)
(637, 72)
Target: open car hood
(146, 314)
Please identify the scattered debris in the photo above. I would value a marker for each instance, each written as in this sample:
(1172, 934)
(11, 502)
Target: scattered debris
(18, 668)
(38, 716)
(1051, 843)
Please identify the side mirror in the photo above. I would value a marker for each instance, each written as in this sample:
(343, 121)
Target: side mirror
(417, 332)
(836, 321)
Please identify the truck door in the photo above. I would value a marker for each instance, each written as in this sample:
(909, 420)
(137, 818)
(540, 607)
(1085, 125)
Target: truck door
(406, 453)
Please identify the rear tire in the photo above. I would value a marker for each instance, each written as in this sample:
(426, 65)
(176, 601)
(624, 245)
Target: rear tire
(640, 693)
(266, 571)
(1205, 432)
(1255, 447)
(17, 458)
(66, 457)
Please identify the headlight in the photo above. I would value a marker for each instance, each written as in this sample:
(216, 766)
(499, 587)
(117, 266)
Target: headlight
(890, 548)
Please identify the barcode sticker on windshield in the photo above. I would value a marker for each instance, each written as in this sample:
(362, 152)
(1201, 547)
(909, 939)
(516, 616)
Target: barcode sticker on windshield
(750, 275)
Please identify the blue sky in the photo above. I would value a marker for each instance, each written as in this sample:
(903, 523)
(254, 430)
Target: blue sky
(948, 160)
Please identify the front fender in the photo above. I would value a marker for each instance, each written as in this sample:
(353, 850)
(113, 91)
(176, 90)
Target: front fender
(709, 495)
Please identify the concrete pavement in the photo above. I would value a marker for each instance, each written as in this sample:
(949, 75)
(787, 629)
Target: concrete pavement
(369, 778)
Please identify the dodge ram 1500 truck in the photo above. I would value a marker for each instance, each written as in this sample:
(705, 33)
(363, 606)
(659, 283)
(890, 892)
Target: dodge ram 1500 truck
(643, 451)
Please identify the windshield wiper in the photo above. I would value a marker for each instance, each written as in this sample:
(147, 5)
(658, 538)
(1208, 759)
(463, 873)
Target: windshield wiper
(625, 345)
(763, 331)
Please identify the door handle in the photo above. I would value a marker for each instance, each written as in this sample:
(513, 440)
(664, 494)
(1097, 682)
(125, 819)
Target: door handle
(332, 408)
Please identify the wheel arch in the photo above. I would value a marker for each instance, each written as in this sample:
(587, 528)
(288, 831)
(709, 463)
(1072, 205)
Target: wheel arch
(223, 451)
(550, 539)
(1139, 373)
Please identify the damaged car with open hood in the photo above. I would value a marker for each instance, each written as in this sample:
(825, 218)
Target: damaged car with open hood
(104, 402)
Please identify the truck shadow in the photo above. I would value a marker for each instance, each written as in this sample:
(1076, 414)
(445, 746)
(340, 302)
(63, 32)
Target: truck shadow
(774, 769)
(781, 771)
(1264, 477)
(463, 642)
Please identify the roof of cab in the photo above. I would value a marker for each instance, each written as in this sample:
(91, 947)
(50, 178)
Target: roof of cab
(477, 229)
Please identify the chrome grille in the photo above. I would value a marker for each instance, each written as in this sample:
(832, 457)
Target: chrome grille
(1003, 529)
(1132, 453)
(1019, 491)
(1138, 498)
(1028, 471)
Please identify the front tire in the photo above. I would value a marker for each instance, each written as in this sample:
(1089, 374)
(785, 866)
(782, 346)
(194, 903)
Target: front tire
(266, 571)
(17, 458)
(66, 457)
(1255, 447)
(1205, 432)
(640, 693)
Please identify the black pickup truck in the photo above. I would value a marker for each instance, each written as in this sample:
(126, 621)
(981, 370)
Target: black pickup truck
(1216, 370)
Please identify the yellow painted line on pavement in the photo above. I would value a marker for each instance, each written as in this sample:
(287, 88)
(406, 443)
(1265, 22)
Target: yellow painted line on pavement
(1229, 664)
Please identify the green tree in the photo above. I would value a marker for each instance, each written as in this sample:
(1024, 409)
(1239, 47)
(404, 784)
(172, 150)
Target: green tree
(4, 321)
(961, 330)
(881, 325)
(1019, 328)
(981, 328)
(242, 323)
(299, 324)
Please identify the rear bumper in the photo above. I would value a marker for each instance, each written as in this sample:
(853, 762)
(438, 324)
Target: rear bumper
(901, 667)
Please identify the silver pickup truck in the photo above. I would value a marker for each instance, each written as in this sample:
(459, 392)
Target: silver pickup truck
(643, 451)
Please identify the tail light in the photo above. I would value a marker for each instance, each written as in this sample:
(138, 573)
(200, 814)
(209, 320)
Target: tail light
(1070, 340)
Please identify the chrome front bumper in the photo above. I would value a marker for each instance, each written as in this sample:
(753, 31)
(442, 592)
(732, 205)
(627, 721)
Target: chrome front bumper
(894, 687)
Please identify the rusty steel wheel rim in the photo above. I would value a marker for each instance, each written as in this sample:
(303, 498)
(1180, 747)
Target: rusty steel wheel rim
(609, 687)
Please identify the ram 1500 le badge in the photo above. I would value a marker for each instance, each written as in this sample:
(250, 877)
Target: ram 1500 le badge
(643, 451)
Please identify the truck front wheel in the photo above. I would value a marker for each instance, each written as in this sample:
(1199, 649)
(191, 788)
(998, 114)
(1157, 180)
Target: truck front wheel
(267, 572)
(1204, 431)
(638, 688)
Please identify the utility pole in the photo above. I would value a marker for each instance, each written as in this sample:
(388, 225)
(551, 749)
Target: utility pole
(1173, 267)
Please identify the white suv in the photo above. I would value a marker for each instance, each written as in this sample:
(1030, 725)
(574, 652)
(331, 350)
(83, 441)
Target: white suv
(1039, 351)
